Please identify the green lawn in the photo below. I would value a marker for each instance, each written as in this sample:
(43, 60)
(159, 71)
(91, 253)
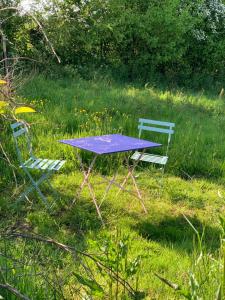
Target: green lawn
(193, 185)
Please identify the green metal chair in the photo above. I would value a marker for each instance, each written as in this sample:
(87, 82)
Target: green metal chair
(46, 167)
(159, 127)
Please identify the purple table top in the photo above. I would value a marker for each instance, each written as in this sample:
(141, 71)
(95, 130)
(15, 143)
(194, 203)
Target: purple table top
(111, 143)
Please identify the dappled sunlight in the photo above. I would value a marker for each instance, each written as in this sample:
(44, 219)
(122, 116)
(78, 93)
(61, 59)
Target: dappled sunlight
(198, 101)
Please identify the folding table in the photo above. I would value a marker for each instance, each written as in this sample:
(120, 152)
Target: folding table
(109, 144)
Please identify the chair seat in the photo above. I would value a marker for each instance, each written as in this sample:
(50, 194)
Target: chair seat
(43, 164)
(156, 159)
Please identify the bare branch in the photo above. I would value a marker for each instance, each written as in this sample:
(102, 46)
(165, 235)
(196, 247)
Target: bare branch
(13, 290)
(168, 282)
(74, 251)
(9, 8)
(19, 58)
(39, 25)
(9, 162)
(46, 37)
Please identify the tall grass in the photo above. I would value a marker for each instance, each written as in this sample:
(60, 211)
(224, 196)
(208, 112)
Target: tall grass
(72, 108)
(206, 277)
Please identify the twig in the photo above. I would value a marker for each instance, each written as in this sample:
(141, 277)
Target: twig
(185, 173)
(39, 25)
(73, 251)
(20, 58)
(9, 8)
(46, 37)
(13, 290)
(9, 162)
(169, 283)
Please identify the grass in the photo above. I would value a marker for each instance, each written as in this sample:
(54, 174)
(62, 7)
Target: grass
(99, 107)
(193, 184)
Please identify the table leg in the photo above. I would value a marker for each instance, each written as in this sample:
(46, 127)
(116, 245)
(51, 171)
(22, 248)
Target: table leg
(86, 173)
(86, 181)
(95, 200)
(130, 174)
(111, 182)
(133, 178)
(131, 170)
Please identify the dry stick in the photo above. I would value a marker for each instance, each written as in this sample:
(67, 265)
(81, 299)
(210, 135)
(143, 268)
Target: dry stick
(46, 38)
(174, 286)
(6, 66)
(13, 290)
(87, 269)
(43, 274)
(40, 26)
(9, 8)
(72, 250)
(5, 59)
(7, 96)
(9, 162)
(53, 286)
(20, 58)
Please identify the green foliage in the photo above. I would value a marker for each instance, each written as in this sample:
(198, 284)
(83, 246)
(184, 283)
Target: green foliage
(95, 288)
(135, 39)
(8, 104)
(139, 38)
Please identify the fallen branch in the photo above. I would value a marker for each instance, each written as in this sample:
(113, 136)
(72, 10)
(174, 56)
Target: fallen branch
(174, 286)
(74, 251)
(20, 58)
(9, 8)
(14, 291)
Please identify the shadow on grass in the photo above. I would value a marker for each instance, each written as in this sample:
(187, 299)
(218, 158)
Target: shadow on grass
(176, 232)
(79, 217)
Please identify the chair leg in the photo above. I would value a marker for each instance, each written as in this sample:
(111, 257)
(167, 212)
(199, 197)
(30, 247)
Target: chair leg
(29, 190)
(55, 192)
(35, 185)
(158, 176)
(25, 193)
(43, 198)
(52, 188)
(161, 177)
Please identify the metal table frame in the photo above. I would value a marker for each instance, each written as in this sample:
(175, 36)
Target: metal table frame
(87, 171)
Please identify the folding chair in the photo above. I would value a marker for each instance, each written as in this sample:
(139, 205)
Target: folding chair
(159, 127)
(45, 166)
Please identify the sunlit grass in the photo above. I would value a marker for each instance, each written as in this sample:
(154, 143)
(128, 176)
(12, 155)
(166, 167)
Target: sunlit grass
(192, 184)
(81, 108)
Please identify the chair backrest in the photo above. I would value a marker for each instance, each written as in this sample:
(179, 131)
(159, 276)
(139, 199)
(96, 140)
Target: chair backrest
(157, 126)
(20, 130)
